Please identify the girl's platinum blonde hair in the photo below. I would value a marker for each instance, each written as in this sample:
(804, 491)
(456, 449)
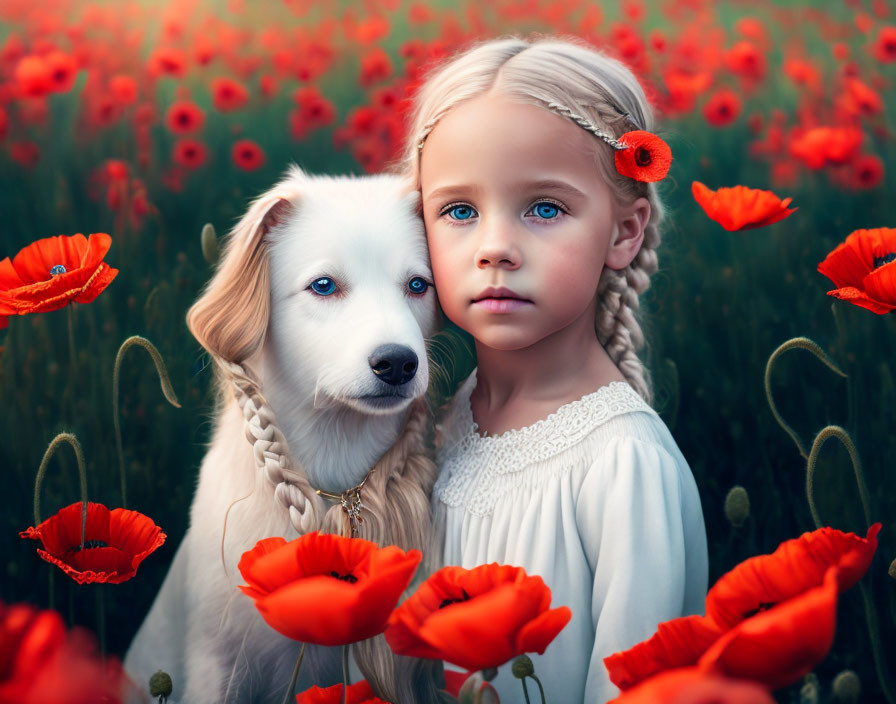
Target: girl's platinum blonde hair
(571, 78)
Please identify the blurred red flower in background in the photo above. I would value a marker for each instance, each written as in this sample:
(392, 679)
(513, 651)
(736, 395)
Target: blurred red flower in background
(190, 153)
(862, 269)
(884, 48)
(228, 94)
(54, 271)
(247, 155)
(41, 663)
(741, 208)
(115, 542)
(357, 693)
(819, 146)
(722, 108)
(184, 116)
(326, 589)
(694, 685)
(476, 618)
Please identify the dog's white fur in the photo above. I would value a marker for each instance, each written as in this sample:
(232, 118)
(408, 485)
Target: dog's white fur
(310, 354)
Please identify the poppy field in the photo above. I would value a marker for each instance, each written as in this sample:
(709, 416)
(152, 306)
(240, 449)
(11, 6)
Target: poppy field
(133, 136)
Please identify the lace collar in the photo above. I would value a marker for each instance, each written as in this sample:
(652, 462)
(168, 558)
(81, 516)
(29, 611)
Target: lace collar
(558, 430)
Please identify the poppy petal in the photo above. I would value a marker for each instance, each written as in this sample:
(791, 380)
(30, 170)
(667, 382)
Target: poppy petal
(779, 646)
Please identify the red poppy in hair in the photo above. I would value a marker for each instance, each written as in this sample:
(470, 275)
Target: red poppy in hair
(691, 685)
(115, 542)
(647, 157)
(357, 693)
(862, 270)
(326, 589)
(52, 272)
(476, 618)
(741, 208)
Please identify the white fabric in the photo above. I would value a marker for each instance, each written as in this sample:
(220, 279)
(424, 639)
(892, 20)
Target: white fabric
(598, 500)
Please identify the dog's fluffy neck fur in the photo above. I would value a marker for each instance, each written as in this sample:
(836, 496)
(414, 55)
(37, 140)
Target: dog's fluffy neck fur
(338, 445)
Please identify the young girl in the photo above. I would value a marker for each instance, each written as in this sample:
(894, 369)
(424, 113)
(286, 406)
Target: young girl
(541, 239)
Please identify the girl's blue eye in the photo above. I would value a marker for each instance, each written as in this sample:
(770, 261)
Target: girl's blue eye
(418, 285)
(324, 286)
(464, 209)
(546, 210)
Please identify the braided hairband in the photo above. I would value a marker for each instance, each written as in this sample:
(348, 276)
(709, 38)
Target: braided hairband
(640, 155)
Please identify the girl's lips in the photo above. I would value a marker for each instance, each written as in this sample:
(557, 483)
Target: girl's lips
(501, 305)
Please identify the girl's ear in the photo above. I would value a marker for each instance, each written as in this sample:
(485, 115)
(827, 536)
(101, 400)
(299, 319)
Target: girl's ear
(630, 225)
(230, 318)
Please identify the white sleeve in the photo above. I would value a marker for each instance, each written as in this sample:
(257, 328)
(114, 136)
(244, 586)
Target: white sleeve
(629, 514)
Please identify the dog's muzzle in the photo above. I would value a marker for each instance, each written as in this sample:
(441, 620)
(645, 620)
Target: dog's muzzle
(393, 364)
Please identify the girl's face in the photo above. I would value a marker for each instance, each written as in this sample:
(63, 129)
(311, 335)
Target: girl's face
(513, 200)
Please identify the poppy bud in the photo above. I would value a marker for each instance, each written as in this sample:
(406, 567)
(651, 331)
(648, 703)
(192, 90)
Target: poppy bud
(476, 690)
(892, 570)
(737, 506)
(160, 685)
(522, 666)
(847, 687)
(209, 243)
(809, 690)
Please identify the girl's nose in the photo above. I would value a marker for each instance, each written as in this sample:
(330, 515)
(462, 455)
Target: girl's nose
(497, 246)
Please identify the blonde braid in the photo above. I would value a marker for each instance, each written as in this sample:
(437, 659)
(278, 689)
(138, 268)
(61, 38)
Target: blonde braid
(291, 486)
(617, 326)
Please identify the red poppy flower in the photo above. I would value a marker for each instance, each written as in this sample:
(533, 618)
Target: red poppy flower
(884, 49)
(167, 61)
(746, 60)
(647, 157)
(26, 153)
(229, 94)
(779, 646)
(32, 75)
(822, 145)
(326, 589)
(50, 273)
(115, 542)
(865, 100)
(476, 618)
(741, 208)
(357, 693)
(375, 67)
(40, 662)
(867, 171)
(722, 108)
(63, 70)
(693, 685)
(862, 270)
(190, 153)
(247, 155)
(123, 88)
(184, 116)
(756, 585)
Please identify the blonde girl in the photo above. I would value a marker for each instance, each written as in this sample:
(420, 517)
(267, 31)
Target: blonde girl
(542, 219)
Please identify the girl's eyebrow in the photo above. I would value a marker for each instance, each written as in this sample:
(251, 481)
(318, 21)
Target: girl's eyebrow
(561, 186)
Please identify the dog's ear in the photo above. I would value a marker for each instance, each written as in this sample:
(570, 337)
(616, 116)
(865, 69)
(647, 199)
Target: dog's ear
(231, 317)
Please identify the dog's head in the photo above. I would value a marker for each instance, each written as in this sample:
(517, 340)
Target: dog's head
(328, 279)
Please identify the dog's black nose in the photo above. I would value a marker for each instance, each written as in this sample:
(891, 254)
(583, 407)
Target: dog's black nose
(394, 364)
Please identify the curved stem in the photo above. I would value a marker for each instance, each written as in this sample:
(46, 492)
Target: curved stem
(167, 389)
(82, 475)
(291, 692)
(843, 436)
(525, 691)
(540, 688)
(871, 619)
(806, 344)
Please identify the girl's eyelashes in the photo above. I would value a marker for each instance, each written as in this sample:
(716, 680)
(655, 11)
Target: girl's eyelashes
(544, 209)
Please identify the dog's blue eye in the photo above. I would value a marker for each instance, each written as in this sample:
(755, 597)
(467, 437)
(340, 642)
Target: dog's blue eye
(324, 286)
(418, 285)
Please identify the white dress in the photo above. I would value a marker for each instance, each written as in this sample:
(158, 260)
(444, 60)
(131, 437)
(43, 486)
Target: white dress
(598, 500)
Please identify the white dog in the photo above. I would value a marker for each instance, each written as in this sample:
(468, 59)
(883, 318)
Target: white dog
(316, 317)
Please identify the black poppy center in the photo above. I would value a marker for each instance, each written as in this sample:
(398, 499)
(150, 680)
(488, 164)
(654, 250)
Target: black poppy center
(183, 118)
(89, 545)
(763, 606)
(350, 578)
(642, 156)
(885, 259)
(448, 602)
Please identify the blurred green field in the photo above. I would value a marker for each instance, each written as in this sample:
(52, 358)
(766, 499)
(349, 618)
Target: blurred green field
(717, 308)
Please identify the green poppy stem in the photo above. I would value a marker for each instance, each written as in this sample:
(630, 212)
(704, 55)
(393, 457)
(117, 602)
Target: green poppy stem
(806, 344)
(82, 474)
(843, 436)
(344, 671)
(101, 617)
(291, 692)
(525, 690)
(540, 688)
(164, 380)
